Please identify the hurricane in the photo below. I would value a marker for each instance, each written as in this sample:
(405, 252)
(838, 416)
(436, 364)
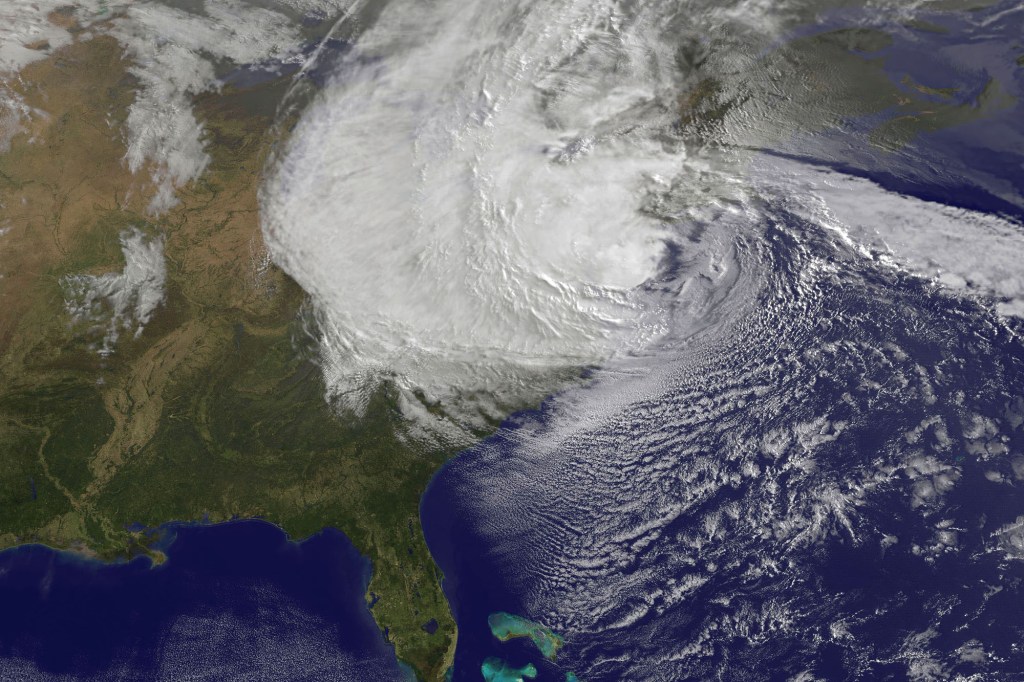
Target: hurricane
(789, 255)
(552, 340)
(486, 196)
(812, 471)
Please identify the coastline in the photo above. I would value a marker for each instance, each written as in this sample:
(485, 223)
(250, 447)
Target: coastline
(324, 573)
(471, 582)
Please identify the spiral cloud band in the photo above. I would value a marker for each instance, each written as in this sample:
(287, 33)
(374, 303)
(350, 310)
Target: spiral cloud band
(473, 204)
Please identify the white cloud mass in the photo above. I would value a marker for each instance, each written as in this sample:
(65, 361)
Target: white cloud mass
(115, 301)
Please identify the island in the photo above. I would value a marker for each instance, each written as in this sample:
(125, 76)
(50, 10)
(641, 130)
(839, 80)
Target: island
(497, 670)
(506, 626)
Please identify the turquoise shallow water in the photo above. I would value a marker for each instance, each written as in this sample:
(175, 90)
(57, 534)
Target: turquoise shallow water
(845, 452)
(506, 626)
(496, 670)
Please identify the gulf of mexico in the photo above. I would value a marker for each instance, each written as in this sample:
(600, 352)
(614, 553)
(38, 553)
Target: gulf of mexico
(235, 600)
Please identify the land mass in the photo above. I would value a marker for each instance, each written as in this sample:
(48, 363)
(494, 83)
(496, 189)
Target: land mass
(213, 409)
(506, 626)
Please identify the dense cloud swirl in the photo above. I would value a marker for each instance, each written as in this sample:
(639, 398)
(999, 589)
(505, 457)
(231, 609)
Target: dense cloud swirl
(482, 197)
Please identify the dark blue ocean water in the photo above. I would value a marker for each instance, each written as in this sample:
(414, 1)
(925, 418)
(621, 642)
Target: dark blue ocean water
(975, 164)
(239, 601)
(861, 519)
(234, 601)
(477, 582)
(882, 597)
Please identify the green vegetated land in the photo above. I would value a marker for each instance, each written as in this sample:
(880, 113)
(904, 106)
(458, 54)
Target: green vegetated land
(508, 626)
(216, 410)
